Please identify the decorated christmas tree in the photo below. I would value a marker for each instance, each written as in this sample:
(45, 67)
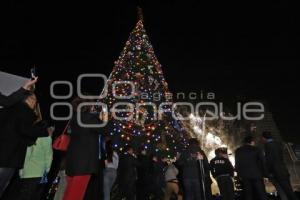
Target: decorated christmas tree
(137, 82)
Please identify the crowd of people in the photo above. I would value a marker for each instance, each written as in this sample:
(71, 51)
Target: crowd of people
(93, 169)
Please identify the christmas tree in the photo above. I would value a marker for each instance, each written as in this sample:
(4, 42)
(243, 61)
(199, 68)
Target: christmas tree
(137, 82)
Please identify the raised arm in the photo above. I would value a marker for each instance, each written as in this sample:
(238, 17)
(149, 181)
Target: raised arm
(7, 101)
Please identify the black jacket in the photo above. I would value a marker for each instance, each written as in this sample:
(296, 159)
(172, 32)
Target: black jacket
(221, 166)
(190, 166)
(127, 170)
(144, 170)
(12, 99)
(274, 160)
(158, 173)
(18, 131)
(249, 163)
(83, 152)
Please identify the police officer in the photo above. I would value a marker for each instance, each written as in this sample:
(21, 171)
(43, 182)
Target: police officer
(223, 171)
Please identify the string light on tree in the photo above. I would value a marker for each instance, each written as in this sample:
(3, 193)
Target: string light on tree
(138, 65)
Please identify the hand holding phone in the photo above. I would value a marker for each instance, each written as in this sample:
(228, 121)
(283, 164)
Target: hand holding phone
(33, 73)
(29, 84)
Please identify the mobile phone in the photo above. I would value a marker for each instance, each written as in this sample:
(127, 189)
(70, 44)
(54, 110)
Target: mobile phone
(33, 73)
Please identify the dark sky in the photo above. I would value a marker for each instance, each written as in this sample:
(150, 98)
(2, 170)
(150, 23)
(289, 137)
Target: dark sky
(236, 48)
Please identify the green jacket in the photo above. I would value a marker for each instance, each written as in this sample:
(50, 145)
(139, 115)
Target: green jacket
(38, 159)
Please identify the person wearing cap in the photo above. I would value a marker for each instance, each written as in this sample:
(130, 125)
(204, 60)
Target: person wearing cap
(223, 171)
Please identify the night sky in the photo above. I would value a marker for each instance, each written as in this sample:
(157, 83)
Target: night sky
(234, 49)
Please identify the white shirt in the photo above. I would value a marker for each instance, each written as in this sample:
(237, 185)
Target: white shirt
(115, 162)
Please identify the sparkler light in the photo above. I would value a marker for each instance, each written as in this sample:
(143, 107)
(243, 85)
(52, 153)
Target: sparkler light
(211, 139)
(198, 130)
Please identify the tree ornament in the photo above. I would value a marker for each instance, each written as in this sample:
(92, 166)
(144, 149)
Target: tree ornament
(156, 83)
(139, 75)
(150, 67)
(151, 80)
